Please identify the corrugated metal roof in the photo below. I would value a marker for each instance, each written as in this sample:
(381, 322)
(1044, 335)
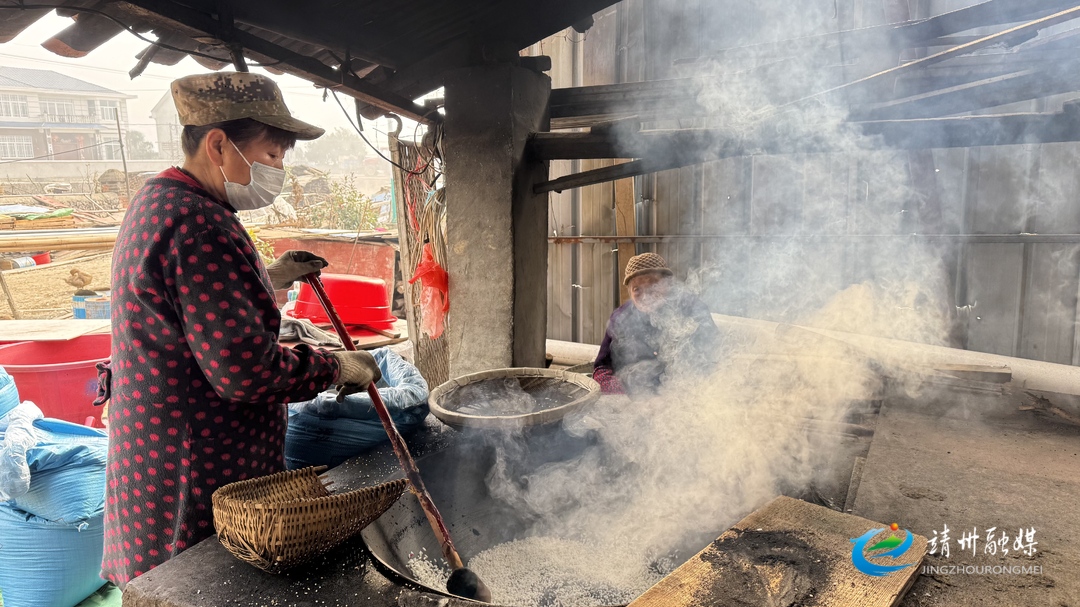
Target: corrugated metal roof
(18, 77)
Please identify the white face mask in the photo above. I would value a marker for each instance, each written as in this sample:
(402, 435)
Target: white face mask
(265, 185)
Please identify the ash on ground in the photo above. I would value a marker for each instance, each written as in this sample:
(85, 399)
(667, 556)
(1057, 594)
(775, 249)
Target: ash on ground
(552, 572)
(763, 568)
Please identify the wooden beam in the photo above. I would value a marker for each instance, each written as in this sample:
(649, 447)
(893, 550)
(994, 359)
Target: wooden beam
(989, 92)
(1000, 37)
(906, 34)
(584, 107)
(175, 16)
(624, 98)
(663, 150)
(494, 36)
(15, 313)
(426, 74)
(13, 20)
(607, 144)
(339, 33)
(405, 261)
(974, 131)
(611, 173)
(985, 14)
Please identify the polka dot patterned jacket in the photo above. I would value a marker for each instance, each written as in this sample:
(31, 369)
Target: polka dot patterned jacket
(199, 381)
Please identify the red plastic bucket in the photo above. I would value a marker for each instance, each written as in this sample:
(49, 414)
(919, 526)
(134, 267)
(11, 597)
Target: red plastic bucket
(60, 377)
(42, 258)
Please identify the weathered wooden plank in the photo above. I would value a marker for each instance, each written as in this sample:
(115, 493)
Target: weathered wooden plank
(14, 20)
(49, 330)
(789, 552)
(987, 373)
(87, 33)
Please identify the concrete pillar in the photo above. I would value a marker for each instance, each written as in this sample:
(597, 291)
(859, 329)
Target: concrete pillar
(496, 227)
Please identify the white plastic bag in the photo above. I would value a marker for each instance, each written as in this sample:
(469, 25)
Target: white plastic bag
(17, 436)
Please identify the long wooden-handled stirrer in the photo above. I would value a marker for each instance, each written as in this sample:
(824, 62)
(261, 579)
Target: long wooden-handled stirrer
(463, 581)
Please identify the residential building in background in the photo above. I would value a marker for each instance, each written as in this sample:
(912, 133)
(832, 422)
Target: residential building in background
(167, 124)
(50, 116)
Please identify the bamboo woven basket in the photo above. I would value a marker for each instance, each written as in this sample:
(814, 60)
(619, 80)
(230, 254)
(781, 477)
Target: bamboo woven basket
(279, 521)
(583, 368)
(447, 403)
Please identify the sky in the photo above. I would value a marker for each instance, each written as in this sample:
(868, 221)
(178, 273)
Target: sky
(108, 66)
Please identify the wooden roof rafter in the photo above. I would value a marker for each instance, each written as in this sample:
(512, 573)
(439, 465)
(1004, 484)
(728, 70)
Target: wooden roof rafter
(384, 54)
(898, 36)
(914, 121)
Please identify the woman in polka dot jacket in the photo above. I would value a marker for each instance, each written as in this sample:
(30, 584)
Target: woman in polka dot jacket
(199, 382)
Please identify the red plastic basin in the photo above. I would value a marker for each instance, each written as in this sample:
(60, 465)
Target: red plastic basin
(359, 300)
(60, 377)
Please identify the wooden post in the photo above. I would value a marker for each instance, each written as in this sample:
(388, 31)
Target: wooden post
(625, 225)
(123, 157)
(404, 246)
(11, 299)
(431, 356)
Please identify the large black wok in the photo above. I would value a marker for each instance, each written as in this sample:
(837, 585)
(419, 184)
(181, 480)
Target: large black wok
(456, 478)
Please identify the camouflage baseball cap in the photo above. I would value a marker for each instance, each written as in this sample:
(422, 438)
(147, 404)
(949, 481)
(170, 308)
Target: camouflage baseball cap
(222, 96)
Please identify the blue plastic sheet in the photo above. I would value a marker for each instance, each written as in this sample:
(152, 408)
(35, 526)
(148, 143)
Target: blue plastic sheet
(9, 396)
(67, 472)
(323, 432)
(47, 564)
(52, 468)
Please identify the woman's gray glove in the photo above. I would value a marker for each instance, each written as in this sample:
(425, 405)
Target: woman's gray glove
(293, 265)
(357, 370)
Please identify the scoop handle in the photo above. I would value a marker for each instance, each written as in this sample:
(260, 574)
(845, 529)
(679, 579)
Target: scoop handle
(412, 473)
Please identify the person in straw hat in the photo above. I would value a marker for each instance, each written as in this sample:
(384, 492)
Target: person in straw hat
(661, 328)
(198, 381)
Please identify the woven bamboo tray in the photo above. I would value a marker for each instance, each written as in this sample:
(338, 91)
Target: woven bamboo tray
(446, 402)
(279, 521)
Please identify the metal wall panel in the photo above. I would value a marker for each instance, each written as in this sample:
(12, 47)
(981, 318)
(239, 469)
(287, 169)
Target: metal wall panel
(750, 215)
(1049, 304)
(994, 278)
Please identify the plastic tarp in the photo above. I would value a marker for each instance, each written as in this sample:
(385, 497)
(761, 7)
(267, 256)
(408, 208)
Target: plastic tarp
(20, 211)
(17, 437)
(67, 472)
(52, 502)
(51, 468)
(9, 396)
(324, 432)
(435, 294)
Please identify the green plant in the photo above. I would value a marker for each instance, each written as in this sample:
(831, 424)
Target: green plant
(265, 249)
(344, 209)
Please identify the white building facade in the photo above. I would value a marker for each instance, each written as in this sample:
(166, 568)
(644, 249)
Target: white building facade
(45, 115)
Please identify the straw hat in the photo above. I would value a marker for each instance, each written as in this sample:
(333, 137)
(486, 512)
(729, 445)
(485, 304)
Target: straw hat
(643, 264)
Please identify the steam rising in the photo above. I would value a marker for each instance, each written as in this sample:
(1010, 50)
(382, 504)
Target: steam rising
(666, 475)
